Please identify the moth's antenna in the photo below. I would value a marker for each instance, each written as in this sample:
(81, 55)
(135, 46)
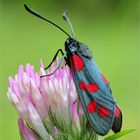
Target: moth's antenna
(46, 19)
(69, 23)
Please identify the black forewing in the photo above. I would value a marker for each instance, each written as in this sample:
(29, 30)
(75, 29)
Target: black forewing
(91, 74)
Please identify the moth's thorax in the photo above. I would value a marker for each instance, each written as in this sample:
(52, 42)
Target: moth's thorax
(71, 46)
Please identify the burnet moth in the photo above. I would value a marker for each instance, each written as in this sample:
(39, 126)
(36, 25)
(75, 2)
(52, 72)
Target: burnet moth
(93, 88)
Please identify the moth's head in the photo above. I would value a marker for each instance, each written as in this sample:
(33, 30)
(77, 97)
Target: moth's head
(69, 41)
(70, 45)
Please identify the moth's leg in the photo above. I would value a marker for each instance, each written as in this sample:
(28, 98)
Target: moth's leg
(76, 100)
(59, 66)
(50, 73)
(54, 58)
(67, 61)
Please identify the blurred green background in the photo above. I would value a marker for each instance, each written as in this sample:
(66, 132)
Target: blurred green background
(108, 27)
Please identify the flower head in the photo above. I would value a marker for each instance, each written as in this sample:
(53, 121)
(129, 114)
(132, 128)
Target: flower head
(41, 101)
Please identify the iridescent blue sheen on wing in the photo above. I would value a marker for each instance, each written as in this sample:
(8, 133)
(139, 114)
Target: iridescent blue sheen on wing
(101, 116)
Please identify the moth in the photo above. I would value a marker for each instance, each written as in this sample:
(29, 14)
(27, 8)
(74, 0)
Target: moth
(93, 88)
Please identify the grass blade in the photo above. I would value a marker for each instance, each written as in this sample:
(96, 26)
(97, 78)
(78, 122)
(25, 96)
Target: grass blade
(118, 135)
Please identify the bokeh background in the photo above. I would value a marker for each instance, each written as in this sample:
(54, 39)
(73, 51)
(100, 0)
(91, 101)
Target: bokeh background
(108, 27)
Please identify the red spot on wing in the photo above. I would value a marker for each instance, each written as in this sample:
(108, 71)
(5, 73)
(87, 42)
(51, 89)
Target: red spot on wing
(90, 87)
(105, 80)
(103, 112)
(82, 85)
(91, 107)
(77, 62)
(117, 112)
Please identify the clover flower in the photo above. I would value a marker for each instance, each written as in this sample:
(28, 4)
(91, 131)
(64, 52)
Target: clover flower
(43, 103)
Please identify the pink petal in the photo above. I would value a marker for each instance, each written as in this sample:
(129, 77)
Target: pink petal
(10, 80)
(41, 64)
(28, 70)
(25, 131)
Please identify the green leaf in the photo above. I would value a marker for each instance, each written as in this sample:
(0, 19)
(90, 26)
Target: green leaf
(118, 135)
